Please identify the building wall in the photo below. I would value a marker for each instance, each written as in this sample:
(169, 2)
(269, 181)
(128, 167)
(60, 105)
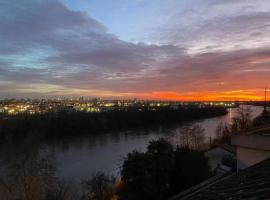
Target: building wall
(247, 156)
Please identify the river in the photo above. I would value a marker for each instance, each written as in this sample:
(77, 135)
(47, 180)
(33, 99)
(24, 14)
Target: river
(81, 157)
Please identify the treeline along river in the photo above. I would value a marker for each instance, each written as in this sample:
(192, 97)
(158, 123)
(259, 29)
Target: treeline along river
(63, 124)
(104, 146)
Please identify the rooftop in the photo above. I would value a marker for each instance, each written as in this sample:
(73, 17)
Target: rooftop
(250, 183)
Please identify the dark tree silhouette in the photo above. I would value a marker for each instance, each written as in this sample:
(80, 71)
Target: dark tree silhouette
(162, 171)
(64, 124)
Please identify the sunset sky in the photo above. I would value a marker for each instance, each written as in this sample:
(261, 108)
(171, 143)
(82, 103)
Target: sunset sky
(148, 49)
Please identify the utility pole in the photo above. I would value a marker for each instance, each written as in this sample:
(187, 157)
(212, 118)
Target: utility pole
(265, 100)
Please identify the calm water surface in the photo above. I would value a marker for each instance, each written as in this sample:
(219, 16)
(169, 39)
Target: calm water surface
(80, 158)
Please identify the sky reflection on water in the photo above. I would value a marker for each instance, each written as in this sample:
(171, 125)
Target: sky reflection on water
(81, 157)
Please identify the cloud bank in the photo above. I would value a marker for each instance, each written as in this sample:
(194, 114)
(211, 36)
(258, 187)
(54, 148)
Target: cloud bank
(206, 51)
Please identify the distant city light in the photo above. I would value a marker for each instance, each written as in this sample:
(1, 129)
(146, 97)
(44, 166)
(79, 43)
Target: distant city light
(15, 107)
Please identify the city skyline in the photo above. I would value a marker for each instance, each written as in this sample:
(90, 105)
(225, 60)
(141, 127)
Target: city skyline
(190, 50)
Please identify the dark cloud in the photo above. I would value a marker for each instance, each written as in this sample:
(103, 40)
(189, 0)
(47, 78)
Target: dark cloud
(34, 23)
(185, 74)
(73, 37)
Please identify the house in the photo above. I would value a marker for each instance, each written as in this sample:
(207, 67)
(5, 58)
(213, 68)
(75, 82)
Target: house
(252, 179)
(252, 146)
(221, 159)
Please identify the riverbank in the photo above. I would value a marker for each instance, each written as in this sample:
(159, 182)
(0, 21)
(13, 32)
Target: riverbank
(63, 124)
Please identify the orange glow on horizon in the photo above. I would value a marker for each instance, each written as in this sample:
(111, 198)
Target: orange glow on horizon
(234, 95)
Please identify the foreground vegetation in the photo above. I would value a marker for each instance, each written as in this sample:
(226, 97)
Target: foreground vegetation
(160, 172)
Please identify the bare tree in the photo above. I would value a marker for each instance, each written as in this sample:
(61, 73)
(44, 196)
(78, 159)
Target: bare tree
(191, 136)
(243, 120)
